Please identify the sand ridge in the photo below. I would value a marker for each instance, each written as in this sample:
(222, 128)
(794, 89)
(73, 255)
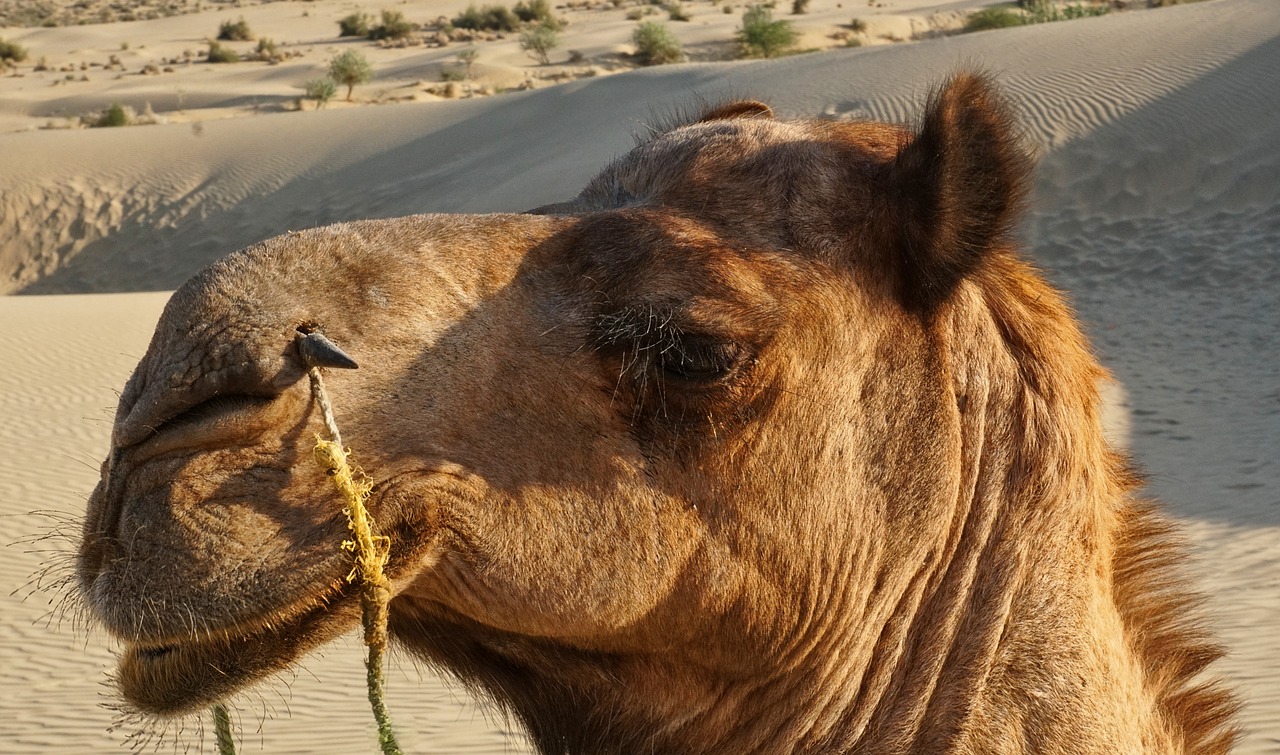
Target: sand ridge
(1156, 207)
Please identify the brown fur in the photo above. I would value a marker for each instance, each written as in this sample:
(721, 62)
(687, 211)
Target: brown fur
(769, 442)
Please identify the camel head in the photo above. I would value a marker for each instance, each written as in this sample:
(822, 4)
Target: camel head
(692, 446)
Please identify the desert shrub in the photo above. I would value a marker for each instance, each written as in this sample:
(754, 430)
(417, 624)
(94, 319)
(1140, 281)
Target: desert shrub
(452, 74)
(490, 17)
(355, 25)
(235, 31)
(799, 6)
(468, 58)
(112, 117)
(538, 42)
(858, 26)
(762, 37)
(350, 68)
(220, 54)
(538, 12)
(993, 18)
(393, 26)
(11, 52)
(677, 12)
(655, 44)
(320, 90)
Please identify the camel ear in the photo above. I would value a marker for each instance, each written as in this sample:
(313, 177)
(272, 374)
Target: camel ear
(739, 109)
(956, 189)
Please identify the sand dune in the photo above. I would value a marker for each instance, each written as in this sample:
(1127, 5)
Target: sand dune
(1157, 207)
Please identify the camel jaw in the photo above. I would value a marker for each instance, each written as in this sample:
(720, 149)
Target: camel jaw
(184, 675)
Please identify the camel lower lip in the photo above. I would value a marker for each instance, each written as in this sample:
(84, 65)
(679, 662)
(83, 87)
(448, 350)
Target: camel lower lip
(183, 677)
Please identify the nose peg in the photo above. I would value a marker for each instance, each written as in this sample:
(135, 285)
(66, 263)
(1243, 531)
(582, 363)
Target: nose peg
(317, 350)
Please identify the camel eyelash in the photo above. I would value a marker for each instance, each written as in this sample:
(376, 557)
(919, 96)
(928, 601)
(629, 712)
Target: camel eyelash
(650, 337)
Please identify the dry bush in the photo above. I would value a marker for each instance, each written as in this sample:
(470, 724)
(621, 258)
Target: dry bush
(394, 26)
(762, 37)
(11, 53)
(320, 90)
(538, 42)
(354, 25)
(656, 45)
(220, 54)
(490, 17)
(235, 31)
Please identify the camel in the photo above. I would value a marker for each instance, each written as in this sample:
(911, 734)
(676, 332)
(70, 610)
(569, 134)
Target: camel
(770, 441)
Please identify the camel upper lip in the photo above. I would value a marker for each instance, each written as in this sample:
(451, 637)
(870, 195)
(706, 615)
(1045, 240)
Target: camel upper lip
(292, 613)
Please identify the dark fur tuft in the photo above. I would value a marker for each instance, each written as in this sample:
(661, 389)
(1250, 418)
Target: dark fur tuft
(699, 110)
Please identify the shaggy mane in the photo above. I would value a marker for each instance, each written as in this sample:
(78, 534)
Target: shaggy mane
(1165, 626)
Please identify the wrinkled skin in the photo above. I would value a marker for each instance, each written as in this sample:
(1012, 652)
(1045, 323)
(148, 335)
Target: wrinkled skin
(767, 442)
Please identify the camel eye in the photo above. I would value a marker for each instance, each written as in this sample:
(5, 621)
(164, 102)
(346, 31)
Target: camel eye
(698, 360)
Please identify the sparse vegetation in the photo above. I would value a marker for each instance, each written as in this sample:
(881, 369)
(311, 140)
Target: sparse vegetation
(538, 42)
(267, 51)
(490, 18)
(354, 25)
(1033, 12)
(11, 53)
(858, 26)
(320, 90)
(452, 74)
(538, 12)
(1045, 11)
(468, 58)
(799, 6)
(220, 54)
(655, 44)
(350, 68)
(677, 12)
(393, 26)
(235, 31)
(762, 37)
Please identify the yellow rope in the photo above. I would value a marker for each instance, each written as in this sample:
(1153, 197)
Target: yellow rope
(222, 730)
(372, 552)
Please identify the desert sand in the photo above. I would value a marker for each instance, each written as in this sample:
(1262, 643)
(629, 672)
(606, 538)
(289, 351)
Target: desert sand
(1157, 207)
